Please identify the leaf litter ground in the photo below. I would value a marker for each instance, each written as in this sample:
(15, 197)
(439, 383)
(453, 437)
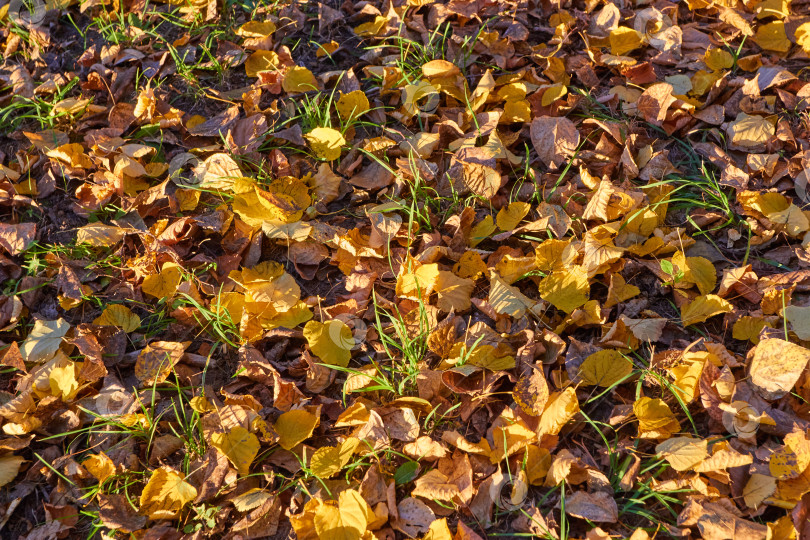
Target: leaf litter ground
(440, 270)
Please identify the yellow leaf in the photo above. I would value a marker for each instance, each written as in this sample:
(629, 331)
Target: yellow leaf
(619, 290)
(63, 381)
(758, 488)
(750, 131)
(683, 453)
(326, 49)
(531, 392)
(561, 407)
(605, 368)
(435, 485)
(623, 40)
(326, 142)
(329, 460)
(261, 61)
(552, 94)
(345, 520)
(299, 79)
(772, 37)
(100, 466)
(419, 283)
(256, 29)
(453, 292)
(748, 328)
(704, 307)
(331, 341)
(792, 459)
(717, 59)
(294, 427)
(655, 419)
(163, 284)
(697, 270)
(538, 462)
(252, 498)
(802, 35)
(99, 235)
(776, 366)
(687, 375)
(507, 300)
(470, 266)
(481, 231)
(9, 467)
(440, 68)
(566, 289)
(511, 436)
(119, 315)
(352, 105)
(509, 216)
(372, 28)
(239, 445)
(438, 531)
(156, 360)
(166, 493)
(44, 340)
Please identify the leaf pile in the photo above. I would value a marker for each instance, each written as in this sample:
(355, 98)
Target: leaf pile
(405, 269)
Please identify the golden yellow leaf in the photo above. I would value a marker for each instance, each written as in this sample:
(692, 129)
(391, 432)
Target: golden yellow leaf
(256, 29)
(119, 315)
(239, 445)
(9, 467)
(623, 40)
(697, 270)
(538, 462)
(470, 266)
(683, 453)
(619, 291)
(252, 498)
(531, 392)
(758, 488)
(299, 79)
(553, 93)
(792, 459)
(372, 28)
(750, 131)
(327, 143)
(294, 427)
(482, 230)
(748, 328)
(346, 519)
(261, 61)
(507, 300)
(326, 49)
(772, 37)
(717, 59)
(156, 360)
(561, 407)
(776, 366)
(438, 530)
(435, 485)
(453, 292)
(687, 375)
(511, 436)
(440, 68)
(331, 341)
(704, 307)
(510, 215)
(655, 419)
(166, 493)
(99, 235)
(163, 284)
(100, 466)
(352, 105)
(605, 368)
(802, 35)
(419, 283)
(566, 289)
(63, 381)
(329, 460)
(43, 340)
